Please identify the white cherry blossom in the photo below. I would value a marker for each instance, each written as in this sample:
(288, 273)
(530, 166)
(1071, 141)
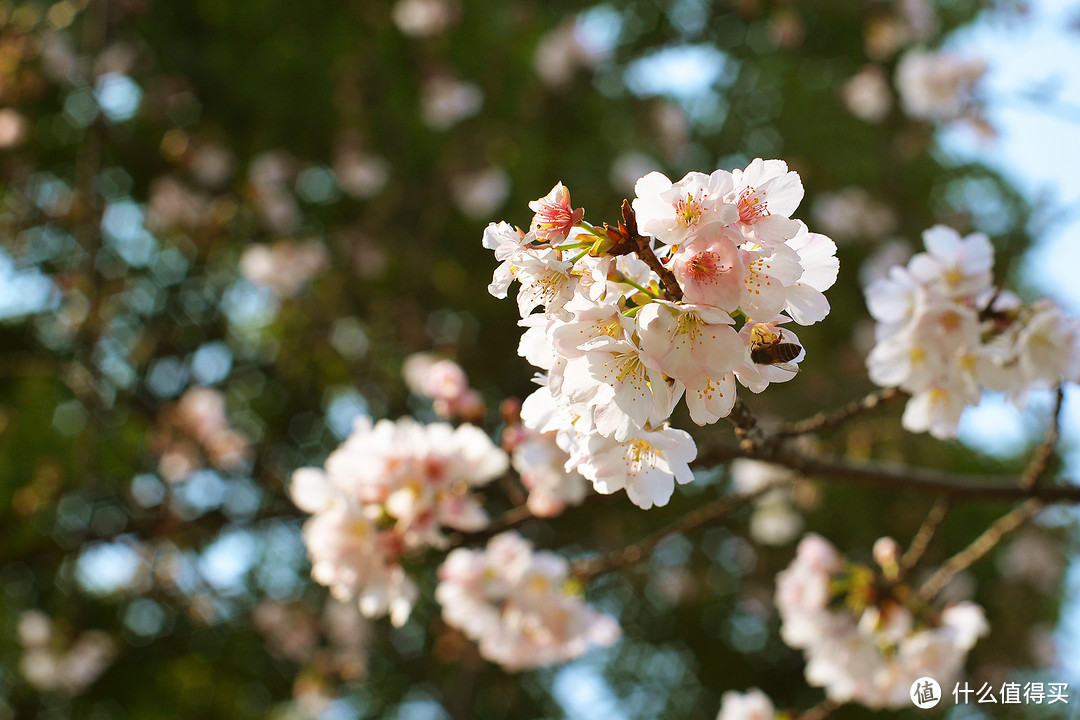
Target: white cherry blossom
(671, 212)
(517, 603)
(646, 466)
(766, 193)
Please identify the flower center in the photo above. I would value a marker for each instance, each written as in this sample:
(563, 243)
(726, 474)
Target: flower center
(751, 206)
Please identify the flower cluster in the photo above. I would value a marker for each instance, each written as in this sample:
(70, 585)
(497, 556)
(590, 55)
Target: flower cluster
(944, 333)
(540, 461)
(637, 317)
(197, 427)
(864, 638)
(51, 664)
(284, 267)
(939, 86)
(444, 383)
(520, 605)
(750, 705)
(389, 488)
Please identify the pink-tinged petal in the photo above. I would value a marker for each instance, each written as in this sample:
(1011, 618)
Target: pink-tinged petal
(709, 269)
(710, 399)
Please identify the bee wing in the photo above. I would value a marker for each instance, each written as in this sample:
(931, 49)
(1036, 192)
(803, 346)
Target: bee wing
(787, 366)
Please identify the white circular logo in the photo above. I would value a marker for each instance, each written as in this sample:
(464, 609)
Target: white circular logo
(925, 693)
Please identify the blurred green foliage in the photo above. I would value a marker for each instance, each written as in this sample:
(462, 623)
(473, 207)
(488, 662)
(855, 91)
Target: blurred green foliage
(89, 373)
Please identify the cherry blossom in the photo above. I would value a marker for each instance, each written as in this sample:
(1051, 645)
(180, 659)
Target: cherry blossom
(868, 646)
(944, 334)
(671, 211)
(519, 604)
(391, 487)
(767, 193)
(554, 218)
(647, 466)
(619, 348)
(750, 705)
(940, 85)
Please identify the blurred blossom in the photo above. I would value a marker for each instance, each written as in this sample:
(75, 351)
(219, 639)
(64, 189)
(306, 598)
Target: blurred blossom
(867, 94)
(58, 60)
(564, 50)
(852, 214)
(445, 101)
(541, 463)
(481, 193)
(117, 58)
(174, 205)
(290, 631)
(197, 422)
(12, 128)
(939, 86)
(775, 520)
(520, 605)
(284, 267)
(628, 168)
(750, 705)
(863, 639)
(270, 174)
(34, 629)
(786, 28)
(894, 252)
(360, 175)
(444, 383)
(1034, 559)
(211, 164)
(424, 18)
(51, 664)
(906, 22)
(274, 167)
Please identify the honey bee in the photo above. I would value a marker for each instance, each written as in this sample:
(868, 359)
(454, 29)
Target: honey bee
(768, 348)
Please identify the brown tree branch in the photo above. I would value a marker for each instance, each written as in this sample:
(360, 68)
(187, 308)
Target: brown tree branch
(1040, 463)
(979, 547)
(924, 535)
(898, 476)
(829, 420)
(589, 568)
(821, 711)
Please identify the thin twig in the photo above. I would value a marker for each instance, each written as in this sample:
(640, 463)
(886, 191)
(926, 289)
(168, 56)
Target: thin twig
(591, 567)
(513, 490)
(829, 420)
(1040, 462)
(821, 711)
(925, 534)
(979, 547)
(645, 252)
(894, 475)
(626, 238)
